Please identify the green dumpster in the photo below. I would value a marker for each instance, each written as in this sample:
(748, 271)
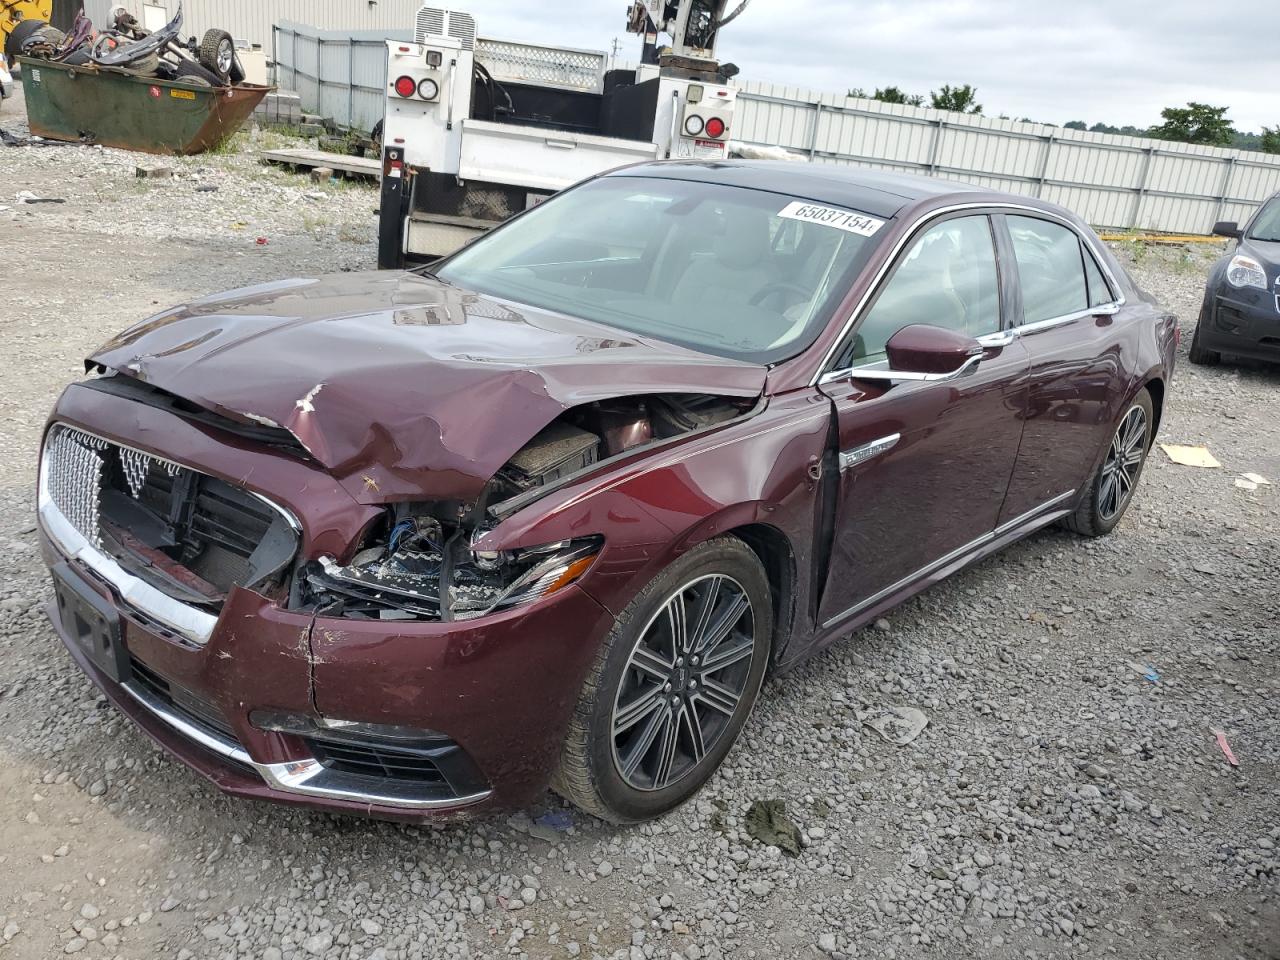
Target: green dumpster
(108, 106)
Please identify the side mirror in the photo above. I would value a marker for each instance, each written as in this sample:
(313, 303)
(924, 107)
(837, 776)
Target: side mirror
(1227, 228)
(923, 352)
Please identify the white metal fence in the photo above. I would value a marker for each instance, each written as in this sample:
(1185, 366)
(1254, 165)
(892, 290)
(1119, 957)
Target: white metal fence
(1110, 181)
(340, 75)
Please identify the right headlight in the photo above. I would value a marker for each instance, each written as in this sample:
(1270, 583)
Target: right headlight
(1245, 271)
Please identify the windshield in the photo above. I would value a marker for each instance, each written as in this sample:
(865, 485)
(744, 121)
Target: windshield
(1267, 225)
(745, 274)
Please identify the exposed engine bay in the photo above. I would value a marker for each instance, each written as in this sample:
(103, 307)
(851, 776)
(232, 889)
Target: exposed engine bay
(420, 563)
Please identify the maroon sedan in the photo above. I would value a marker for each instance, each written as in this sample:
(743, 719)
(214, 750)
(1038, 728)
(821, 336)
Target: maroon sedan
(416, 544)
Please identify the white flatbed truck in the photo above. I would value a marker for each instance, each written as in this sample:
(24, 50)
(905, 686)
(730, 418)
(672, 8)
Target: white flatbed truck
(478, 130)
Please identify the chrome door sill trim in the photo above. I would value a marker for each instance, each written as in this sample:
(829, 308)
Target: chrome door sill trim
(949, 558)
(306, 777)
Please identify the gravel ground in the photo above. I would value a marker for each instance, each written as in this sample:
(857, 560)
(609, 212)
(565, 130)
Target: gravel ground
(1057, 804)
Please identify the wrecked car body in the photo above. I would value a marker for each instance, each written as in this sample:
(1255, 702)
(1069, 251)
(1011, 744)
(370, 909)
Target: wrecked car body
(411, 544)
(126, 87)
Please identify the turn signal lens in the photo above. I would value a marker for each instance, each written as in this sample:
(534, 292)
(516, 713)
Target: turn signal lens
(405, 86)
(428, 89)
(715, 128)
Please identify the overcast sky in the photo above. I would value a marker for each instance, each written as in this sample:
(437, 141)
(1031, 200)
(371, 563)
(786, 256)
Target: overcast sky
(1110, 61)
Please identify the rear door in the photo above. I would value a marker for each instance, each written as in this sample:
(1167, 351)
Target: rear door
(1068, 322)
(924, 466)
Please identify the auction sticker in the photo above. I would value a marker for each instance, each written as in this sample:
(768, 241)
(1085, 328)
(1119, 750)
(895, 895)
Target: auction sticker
(182, 94)
(846, 220)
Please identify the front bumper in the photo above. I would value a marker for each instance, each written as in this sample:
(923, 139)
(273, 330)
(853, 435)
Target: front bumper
(1243, 324)
(500, 689)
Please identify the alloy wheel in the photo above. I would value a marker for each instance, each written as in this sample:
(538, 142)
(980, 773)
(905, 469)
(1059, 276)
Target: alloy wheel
(683, 683)
(226, 53)
(1124, 460)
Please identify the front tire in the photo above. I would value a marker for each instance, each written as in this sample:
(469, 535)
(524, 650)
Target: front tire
(1112, 486)
(672, 686)
(1199, 355)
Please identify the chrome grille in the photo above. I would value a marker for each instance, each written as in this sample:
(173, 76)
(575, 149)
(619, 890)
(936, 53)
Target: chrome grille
(75, 465)
(122, 501)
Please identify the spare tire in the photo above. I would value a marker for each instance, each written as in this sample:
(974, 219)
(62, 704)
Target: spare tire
(218, 54)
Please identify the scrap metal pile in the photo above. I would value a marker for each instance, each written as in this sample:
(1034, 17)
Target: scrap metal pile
(211, 61)
(131, 88)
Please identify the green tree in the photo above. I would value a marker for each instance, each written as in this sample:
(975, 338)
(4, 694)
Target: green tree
(1270, 142)
(897, 95)
(1194, 123)
(889, 95)
(1076, 125)
(962, 99)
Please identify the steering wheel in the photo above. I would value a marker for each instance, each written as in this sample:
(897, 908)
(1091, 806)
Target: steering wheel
(780, 286)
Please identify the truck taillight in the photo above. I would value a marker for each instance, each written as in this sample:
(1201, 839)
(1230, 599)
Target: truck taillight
(428, 89)
(405, 86)
(715, 128)
(694, 125)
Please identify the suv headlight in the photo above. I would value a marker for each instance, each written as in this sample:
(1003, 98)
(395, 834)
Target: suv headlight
(1246, 272)
(418, 575)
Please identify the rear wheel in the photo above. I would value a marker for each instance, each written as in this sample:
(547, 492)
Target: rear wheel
(1112, 486)
(672, 686)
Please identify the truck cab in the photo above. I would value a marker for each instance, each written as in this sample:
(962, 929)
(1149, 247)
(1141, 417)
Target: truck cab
(477, 130)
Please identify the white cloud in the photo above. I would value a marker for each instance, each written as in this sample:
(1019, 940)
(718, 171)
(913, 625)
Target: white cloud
(1093, 60)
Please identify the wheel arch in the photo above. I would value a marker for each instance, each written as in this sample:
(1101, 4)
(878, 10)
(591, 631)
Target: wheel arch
(775, 552)
(1156, 387)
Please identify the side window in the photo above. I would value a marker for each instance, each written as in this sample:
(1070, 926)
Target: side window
(948, 278)
(1099, 292)
(1050, 268)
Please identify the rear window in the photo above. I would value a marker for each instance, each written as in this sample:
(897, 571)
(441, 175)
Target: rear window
(1050, 268)
(745, 274)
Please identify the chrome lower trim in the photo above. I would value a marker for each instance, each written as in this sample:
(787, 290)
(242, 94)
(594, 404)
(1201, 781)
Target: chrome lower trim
(948, 559)
(306, 777)
(1019, 520)
(190, 623)
(187, 621)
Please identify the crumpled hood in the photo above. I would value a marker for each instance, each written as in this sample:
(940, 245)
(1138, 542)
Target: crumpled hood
(402, 386)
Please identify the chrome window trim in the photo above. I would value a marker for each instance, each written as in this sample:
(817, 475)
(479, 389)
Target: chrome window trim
(941, 562)
(877, 282)
(189, 622)
(306, 777)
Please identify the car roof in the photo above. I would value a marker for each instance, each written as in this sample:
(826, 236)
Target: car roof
(876, 192)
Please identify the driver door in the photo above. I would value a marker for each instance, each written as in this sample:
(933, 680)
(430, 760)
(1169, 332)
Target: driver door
(925, 466)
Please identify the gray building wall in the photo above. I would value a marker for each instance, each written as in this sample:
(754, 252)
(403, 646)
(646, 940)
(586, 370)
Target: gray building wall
(252, 20)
